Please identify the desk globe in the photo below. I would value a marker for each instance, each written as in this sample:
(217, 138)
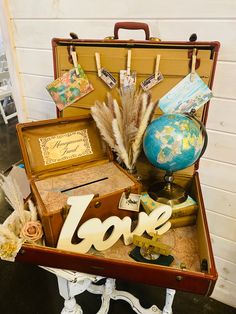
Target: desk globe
(173, 142)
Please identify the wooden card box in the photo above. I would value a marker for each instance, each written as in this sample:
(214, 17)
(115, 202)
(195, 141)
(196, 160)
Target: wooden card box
(65, 157)
(191, 245)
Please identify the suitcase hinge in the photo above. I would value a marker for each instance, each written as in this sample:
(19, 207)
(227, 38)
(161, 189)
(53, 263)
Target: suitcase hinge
(109, 38)
(155, 39)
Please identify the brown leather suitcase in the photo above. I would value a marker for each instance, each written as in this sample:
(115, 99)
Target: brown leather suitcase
(176, 59)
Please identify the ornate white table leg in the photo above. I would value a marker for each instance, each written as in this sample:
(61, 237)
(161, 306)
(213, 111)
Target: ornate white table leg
(109, 292)
(71, 307)
(71, 283)
(106, 296)
(170, 293)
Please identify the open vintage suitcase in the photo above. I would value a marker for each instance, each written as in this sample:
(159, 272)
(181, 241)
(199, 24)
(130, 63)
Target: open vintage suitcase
(192, 244)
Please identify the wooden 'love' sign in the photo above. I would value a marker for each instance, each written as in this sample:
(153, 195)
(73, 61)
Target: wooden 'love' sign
(94, 231)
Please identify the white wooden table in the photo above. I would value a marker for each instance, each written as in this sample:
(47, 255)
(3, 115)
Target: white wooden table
(72, 283)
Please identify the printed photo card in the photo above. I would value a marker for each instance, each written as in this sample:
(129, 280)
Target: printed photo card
(186, 95)
(69, 88)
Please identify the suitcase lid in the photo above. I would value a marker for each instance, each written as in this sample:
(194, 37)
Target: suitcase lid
(53, 146)
(175, 64)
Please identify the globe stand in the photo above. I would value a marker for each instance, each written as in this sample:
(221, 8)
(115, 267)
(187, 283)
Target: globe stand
(168, 192)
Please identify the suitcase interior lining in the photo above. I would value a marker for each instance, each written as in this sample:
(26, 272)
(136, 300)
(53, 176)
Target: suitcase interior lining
(174, 65)
(187, 243)
(99, 180)
(184, 245)
(35, 163)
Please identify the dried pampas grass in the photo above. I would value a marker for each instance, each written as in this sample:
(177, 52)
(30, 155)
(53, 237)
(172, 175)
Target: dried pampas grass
(22, 225)
(13, 196)
(122, 125)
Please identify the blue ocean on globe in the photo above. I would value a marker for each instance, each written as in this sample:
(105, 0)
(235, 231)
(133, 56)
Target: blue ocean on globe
(173, 142)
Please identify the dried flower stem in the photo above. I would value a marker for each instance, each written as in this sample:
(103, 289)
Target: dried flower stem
(123, 126)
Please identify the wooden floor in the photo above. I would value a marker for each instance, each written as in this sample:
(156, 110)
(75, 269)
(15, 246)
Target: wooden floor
(28, 289)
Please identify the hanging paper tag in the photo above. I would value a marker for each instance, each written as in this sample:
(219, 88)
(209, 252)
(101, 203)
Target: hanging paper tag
(69, 88)
(108, 78)
(186, 95)
(126, 80)
(151, 81)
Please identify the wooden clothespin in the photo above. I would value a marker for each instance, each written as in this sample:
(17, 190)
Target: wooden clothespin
(155, 78)
(98, 63)
(129, 62)
(128, 78)
(104, 75)
(158, 58)
(193, 67)
(74, 59)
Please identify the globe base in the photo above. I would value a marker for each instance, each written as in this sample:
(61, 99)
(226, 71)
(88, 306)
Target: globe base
(168, 193)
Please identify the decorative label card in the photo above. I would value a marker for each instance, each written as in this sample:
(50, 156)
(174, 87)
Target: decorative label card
(186, 95)
(69, 88)
(65, 146)
(132, 202)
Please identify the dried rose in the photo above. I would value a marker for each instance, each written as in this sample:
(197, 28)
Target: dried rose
(32, 231)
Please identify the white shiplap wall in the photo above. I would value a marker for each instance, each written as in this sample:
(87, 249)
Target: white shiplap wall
(34, 23)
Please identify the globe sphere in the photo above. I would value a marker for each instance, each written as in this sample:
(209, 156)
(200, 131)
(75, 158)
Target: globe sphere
(173, 142)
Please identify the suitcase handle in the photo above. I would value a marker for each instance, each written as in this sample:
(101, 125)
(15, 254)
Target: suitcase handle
(131, 25)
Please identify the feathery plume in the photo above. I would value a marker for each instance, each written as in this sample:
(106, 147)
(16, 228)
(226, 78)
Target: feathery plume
(21, 226)
(103, 122)
(119, 144)
(122, 123)
(33, 211)
(13, 195)
(118, 115)
(136, 146)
